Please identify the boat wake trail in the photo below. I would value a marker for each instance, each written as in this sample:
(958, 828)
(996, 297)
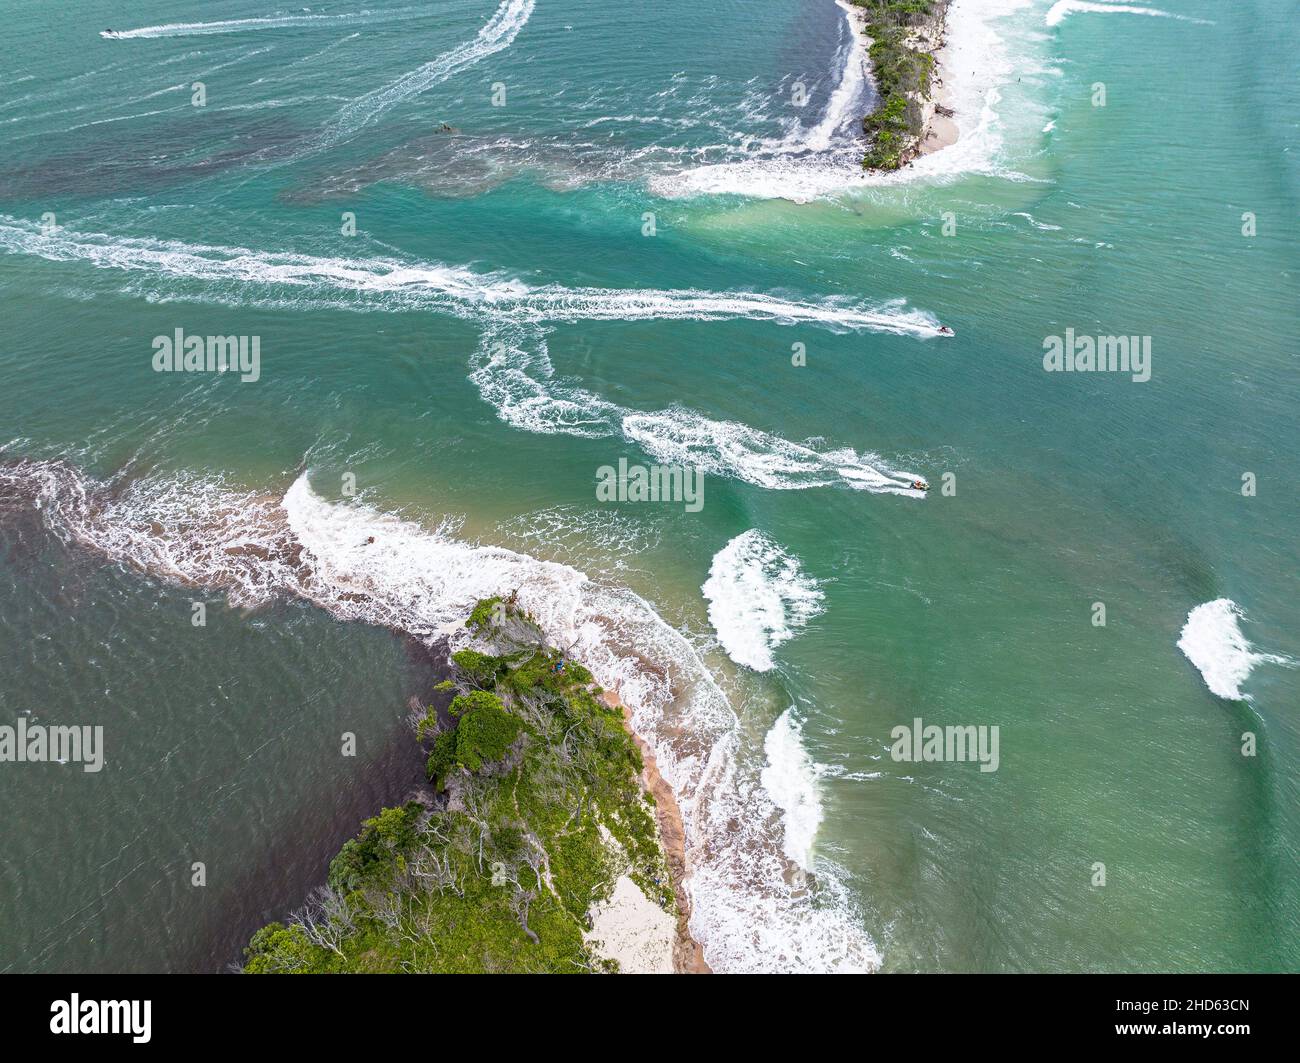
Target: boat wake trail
(1063, 8)
(511, 367)
(247, 25)
(513, 372)
(754, 910)
(498, 34)
(233, 274)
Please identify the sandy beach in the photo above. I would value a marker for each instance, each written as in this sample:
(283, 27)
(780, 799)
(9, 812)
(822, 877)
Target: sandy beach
(687, 954)
(941, 131)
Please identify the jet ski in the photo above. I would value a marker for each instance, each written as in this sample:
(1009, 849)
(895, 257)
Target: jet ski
(112, 35)
(920, 485)
(944, 330)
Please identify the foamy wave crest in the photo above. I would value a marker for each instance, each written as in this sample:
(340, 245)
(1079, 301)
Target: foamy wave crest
(790, 776)
(759, 598)
(392, 284)
(1064, 8)
(825, 160)
(1212, 640)
(246, 25)
(513, 372)
(364, 565)
(496, 35)
(189, 530)
(841, 109)
(808, 161)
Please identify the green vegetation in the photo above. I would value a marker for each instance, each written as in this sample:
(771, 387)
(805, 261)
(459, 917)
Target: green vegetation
(486, 729)
(481, 669)
(902, 77)
(535, 812)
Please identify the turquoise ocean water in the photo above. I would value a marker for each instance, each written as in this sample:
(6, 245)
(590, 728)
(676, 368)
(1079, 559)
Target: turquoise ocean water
(437, 390)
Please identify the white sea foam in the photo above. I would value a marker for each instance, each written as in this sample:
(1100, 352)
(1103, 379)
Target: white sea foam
(759, 597)
(511, 368)
(577, 534)
(1212, 640)
(360, 564)
(826, 160)
(790, 776)
(246, 25)
(513, 372)
(394, 284)
(841, 108)
(1063, 8)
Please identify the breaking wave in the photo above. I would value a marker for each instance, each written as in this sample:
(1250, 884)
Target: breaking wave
(759, 597)
(790, 776)
(1212, 640)
(825, 159)
(752, 910)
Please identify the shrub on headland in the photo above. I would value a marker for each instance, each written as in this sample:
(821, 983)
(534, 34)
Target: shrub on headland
(536, 812)
(902, 75)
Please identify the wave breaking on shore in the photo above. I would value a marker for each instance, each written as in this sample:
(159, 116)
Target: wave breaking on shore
(752, 910)
(825, 159)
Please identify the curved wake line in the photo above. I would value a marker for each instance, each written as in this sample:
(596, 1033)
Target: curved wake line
(245, 25)
(1213, 641)
(1063, 8)
(751, 911)
(399, 285)
(513, 372)
(498, 34)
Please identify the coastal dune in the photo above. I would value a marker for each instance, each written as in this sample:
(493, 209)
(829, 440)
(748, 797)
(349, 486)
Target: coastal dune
(913, 115)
